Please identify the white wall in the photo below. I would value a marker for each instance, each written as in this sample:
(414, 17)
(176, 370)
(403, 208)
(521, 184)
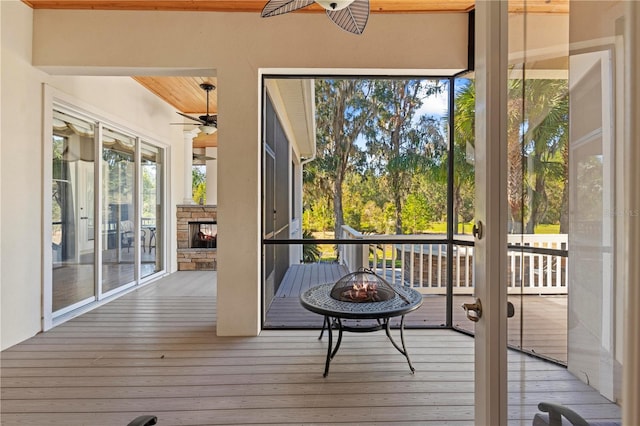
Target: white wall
(118, 98)
(21, 158)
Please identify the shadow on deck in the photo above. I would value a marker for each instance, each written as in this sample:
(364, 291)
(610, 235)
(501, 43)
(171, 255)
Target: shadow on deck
(543, 318)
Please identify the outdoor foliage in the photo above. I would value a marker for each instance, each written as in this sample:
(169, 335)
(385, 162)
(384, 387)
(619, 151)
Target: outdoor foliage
(310, 251)
(199, 184)
(382, 161)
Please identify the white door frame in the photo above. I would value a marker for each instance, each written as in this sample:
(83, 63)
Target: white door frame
(490, 260)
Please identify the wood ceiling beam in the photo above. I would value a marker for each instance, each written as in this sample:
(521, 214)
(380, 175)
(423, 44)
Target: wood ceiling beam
(255, 6)
(251, 6)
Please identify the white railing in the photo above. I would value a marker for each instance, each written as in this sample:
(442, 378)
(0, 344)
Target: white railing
(424, 266)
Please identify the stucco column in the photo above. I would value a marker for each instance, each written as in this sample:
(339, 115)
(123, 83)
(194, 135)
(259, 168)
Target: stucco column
(212, 176)
(188, 165)
(239, 307)
(631, 363)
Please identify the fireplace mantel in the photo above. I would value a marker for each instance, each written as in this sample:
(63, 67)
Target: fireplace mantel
(189, 258)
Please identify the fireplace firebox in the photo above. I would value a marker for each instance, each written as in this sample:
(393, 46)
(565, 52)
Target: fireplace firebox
(203, 234)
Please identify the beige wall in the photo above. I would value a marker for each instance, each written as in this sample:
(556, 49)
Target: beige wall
(119, 99)
(238, 46)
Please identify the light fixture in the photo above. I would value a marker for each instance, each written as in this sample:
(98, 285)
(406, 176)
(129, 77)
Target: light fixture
(208, 130)
(334, 4)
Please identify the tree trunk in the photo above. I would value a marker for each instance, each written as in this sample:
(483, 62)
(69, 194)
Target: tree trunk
(564, 209)
(337, 213)
(537, 204)
(337, 207)
(398, 204)
(457, 202)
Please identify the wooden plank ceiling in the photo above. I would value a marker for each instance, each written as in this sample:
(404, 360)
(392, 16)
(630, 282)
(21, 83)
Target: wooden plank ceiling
(186, 96)
(255, 6)
(184, 93)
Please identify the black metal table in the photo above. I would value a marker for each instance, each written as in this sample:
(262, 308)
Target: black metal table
(317, 299)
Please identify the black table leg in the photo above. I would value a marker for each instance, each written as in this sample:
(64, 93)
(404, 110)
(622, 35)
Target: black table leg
(324, 324)
(329, 348)
(335, 350)
(403, 349)
(331, 351)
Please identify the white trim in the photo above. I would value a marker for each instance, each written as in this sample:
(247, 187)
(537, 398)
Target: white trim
(73, 307)
(47, 205)
(97, 220)
(449, 72)
(117, 290)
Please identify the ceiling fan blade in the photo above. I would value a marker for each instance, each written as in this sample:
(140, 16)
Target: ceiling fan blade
(203, 157)
(278, 7)
(352, 18)
(191, 118)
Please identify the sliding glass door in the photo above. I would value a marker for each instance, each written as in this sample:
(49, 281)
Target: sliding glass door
(104, 176)
(152, 206)
(72, 212)
(119, 227)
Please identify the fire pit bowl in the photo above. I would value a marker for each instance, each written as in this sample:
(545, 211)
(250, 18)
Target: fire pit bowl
(362, 286)
(336, 303)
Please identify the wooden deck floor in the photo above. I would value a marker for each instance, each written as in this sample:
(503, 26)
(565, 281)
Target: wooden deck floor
(155, 350)
(539, 326)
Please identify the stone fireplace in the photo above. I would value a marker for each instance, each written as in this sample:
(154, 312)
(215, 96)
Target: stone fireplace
(197, 237)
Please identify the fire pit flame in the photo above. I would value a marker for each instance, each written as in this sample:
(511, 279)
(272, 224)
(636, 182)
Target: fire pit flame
(362, 292)
(363, 286)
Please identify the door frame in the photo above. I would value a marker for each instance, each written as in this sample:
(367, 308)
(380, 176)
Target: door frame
(490, 260)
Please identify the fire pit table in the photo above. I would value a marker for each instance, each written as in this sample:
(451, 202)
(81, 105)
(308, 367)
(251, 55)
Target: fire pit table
(319, 300)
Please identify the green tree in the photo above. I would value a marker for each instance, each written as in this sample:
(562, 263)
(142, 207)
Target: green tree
(199, 184)
(397, 145)
(464, 142)
(537, 128)
(342, 110)
(547, 133)
(416, 214)
(148, 190)
(536, 131)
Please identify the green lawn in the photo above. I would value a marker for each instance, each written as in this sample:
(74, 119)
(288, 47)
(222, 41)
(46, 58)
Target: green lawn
(547, 229)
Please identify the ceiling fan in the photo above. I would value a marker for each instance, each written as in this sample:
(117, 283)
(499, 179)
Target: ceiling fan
(209, 122)
(350, 15)
(202, 157)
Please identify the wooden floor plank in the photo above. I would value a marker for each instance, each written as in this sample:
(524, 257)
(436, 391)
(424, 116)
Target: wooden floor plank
(156, 351)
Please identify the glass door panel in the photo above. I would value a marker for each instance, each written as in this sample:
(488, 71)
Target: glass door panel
(463, 199)
(120, 231)
(152, 208)
(73, 243)
(561, 191)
